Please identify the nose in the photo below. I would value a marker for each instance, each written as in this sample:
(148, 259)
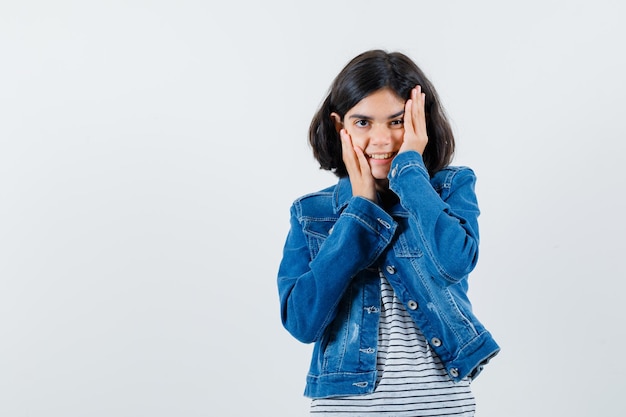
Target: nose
(380, 134)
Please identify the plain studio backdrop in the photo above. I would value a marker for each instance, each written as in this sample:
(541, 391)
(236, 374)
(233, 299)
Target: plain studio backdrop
(150, 150)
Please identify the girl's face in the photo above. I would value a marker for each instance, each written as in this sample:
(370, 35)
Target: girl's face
(376, 125)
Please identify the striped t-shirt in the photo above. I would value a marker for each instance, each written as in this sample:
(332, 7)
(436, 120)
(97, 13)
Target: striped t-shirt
(411, 380)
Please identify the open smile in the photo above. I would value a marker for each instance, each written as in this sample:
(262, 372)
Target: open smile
(382, 156)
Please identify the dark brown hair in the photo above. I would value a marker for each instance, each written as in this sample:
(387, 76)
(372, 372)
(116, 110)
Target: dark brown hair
(362, 76)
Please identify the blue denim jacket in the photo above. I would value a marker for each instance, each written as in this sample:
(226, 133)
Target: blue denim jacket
(426, 245)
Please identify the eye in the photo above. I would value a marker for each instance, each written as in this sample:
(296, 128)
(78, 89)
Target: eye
(361, 123)
(397, 123)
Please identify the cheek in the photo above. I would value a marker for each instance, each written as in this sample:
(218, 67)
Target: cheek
(358, 139)
(398, 135)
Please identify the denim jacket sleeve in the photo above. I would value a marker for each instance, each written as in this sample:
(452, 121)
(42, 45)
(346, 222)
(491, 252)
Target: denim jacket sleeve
(311, 284)
(444, 211)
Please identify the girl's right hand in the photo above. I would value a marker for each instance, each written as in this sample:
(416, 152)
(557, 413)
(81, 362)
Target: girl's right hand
(361, 179)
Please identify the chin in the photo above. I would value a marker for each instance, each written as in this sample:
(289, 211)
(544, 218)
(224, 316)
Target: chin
(380, 175)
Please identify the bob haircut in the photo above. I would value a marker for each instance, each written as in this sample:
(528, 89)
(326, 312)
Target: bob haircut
(363, 75)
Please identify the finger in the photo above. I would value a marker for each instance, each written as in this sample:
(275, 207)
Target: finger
(421, 115)
(408, 119)
(362, 160)
(347, 150)
(346, 143)
(418, 105)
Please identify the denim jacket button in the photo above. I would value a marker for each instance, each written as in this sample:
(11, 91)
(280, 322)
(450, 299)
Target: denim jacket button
(435, 342)
(454, 373)
(391, 269)
(412, 304)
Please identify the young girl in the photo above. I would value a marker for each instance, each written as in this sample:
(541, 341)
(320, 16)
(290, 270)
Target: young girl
(375, 268)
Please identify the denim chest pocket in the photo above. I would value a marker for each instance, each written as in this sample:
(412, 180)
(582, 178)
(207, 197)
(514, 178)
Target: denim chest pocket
(407, 245)
(316, 232)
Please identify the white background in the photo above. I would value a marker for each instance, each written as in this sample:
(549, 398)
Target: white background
(149, 152)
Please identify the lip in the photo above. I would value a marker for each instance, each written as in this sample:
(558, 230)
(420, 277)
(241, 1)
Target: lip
(381, 157)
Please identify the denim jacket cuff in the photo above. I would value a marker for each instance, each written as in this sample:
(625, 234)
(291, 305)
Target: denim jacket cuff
(372, 216)
(407, 160)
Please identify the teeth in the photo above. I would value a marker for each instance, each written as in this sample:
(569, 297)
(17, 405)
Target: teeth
(381, 155)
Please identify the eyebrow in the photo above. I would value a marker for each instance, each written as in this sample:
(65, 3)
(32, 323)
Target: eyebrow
(362, 116)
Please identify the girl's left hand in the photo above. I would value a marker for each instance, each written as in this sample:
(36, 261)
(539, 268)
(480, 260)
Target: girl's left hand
(415, 136)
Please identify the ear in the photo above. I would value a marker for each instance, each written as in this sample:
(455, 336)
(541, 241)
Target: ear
(337, 121)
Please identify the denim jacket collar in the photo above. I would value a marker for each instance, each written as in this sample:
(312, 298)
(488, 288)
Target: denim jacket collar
(342, 194)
